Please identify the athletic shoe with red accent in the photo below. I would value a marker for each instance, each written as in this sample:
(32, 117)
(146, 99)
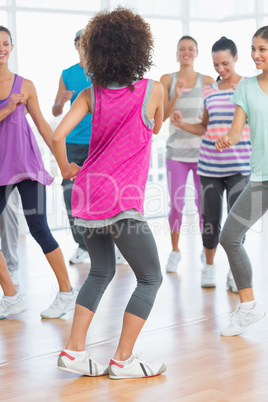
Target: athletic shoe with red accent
(135, 368)
(85, 365)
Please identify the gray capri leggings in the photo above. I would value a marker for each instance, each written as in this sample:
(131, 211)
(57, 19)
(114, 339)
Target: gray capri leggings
(248, 209)
(135, 241)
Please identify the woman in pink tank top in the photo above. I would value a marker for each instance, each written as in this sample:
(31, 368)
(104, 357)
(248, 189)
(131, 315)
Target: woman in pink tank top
(108, 192)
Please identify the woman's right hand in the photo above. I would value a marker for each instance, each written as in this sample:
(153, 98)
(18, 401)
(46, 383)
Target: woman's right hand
(176, 118)
(72, 173)
(66, 96)
(15, 100)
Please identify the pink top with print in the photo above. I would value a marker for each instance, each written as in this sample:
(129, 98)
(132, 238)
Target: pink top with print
(113, 178)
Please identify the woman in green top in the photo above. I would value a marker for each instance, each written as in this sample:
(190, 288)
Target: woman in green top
(251, 99)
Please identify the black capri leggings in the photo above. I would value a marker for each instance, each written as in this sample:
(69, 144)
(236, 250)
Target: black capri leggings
(33, 198)
(136, 242)
(212, 189)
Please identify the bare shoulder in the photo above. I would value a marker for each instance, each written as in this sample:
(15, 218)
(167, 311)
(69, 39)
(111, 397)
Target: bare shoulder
(165, 79)
(85, 94)
(208, 80)
(158, 86)
(28, 89)
(27, 84)
(158, 89)
(83, 99)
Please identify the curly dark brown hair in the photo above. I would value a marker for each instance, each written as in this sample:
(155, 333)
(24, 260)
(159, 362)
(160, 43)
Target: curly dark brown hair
(117, 47)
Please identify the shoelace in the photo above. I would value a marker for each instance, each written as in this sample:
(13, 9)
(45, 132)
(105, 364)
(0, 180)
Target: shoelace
(138, 357)
(86, 357)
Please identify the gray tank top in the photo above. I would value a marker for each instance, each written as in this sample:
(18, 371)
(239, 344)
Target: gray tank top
(181, 145)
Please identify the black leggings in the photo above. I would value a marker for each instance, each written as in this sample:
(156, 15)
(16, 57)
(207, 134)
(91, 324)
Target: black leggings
(136, 242)
(212, 189)
(33, 197)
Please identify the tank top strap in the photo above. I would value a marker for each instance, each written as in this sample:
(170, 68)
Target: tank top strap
(17, 84)
(172, 83)
(200, 80)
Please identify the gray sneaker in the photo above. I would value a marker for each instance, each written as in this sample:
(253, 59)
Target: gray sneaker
(62, 304)
(242, 319)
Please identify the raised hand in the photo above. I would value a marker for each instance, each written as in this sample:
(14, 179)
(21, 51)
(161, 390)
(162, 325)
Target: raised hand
(179, 86)
(66, 96)
(15, 100)
(176, 118)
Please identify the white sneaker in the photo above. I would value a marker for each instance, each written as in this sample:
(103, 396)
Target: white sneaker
(243, 318)
(85, 365)
(79, 256)
(173, 261)
(135, 368)
(119, 259)
(230, 282)
(12, 305)
(62, 304)
(208, 279)
(14, 275)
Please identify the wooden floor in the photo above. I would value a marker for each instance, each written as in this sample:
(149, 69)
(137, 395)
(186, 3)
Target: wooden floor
(182, 331)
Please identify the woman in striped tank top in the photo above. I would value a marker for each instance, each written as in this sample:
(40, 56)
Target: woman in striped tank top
(183, 91)
(218, 171)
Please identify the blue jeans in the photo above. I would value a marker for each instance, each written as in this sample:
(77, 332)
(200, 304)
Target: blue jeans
(76, 153)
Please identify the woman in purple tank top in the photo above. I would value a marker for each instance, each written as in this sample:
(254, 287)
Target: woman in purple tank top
(108, 192)
(22, 167)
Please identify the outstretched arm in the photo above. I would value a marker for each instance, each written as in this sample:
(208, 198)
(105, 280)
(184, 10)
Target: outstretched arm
(80, 107)
(234, 134)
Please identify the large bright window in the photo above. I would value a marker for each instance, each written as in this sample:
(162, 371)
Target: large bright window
(77, 5)
(43, 56)
(240, 32)
(157, 8)
(3, 18)
(43, 33)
